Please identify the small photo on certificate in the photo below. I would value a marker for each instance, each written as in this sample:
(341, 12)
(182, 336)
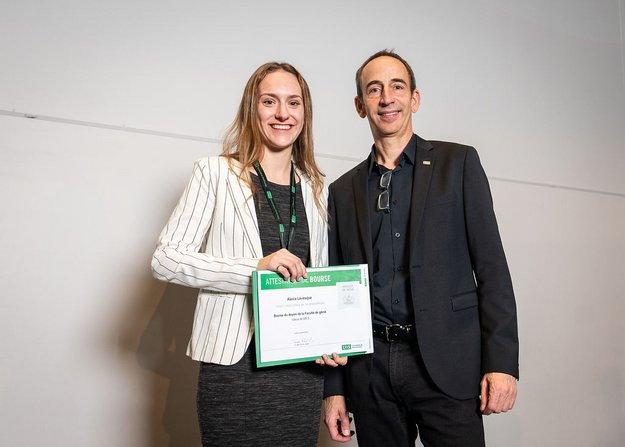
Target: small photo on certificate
(299, 321)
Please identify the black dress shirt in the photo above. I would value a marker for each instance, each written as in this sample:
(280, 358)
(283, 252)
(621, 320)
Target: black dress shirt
(392, 301)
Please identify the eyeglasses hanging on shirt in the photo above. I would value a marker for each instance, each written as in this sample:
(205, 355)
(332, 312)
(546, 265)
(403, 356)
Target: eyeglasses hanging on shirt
(384, 198)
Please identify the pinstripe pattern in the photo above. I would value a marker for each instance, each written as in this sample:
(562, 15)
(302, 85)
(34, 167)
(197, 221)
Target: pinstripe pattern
(211, 242)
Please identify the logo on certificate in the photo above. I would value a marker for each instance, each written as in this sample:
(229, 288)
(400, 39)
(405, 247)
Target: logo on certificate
(347, 295)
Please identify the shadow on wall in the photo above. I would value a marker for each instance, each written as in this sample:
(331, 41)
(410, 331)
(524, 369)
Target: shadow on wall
(171, 417)
(156, 330)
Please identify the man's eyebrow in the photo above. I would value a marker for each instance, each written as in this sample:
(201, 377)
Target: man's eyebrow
(399, 80)
(375, 81)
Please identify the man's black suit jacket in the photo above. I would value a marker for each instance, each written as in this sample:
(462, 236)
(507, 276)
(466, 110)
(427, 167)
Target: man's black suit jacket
(464, 306)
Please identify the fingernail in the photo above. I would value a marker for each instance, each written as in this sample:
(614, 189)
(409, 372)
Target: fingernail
(346, 432)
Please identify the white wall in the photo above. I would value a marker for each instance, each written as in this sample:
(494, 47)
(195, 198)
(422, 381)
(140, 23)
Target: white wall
(128, 94)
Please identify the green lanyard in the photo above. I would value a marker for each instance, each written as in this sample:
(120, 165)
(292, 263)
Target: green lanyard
(274, 209)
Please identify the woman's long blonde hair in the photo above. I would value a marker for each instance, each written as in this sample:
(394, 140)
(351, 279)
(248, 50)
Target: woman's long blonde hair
(243, 141)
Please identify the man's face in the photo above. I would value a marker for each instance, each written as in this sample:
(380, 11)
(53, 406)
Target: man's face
(387, 101)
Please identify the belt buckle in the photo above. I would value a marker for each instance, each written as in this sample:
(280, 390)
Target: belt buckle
(391, 334)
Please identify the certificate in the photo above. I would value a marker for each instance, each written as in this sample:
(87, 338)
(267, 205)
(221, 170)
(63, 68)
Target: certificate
(327, 312)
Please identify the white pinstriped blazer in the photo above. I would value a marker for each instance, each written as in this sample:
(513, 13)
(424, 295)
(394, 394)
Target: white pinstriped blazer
(211, 242)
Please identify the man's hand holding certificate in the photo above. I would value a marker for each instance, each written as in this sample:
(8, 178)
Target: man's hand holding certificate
(299, 321)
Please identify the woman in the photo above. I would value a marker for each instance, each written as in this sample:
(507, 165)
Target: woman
(224, 227)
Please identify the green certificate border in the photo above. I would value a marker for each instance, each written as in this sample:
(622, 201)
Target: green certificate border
(317, 276)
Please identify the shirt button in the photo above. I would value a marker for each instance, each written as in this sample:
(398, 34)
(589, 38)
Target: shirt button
(396, 301)
(397, 234)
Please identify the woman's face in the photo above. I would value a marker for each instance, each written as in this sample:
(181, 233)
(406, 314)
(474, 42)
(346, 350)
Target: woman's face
(280, 110)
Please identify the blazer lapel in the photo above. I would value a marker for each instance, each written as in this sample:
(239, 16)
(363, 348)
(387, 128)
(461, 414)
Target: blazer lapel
(361, 199)
(243, 203)
(424, 166)
(316, 225)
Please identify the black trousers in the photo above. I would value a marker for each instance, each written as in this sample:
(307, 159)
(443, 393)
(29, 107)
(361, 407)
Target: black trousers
(404, 403)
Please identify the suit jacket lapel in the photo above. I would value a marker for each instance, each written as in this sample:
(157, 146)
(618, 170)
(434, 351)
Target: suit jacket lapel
(424, 165)
(315, 223)
(243, 204)
(361, 199)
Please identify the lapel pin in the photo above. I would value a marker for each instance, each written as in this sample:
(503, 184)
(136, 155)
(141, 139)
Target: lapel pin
(427, 162)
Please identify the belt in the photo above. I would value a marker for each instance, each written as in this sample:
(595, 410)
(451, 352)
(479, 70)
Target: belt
(394, 332)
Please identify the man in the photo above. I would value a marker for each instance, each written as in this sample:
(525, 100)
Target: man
(420, 214)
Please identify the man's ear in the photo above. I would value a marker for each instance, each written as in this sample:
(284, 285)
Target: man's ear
(360, 107)
(416, 100)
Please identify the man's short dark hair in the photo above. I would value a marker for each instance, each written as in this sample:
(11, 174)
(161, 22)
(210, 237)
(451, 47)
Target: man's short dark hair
(389, 53)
